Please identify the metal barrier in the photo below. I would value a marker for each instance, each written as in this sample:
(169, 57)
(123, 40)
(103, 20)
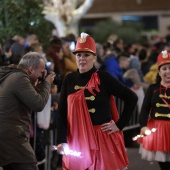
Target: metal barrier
(134, 121)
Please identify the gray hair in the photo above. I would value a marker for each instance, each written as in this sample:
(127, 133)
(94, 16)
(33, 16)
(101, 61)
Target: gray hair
(31, 59)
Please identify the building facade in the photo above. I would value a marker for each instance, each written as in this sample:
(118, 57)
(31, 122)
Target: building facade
(155, 15)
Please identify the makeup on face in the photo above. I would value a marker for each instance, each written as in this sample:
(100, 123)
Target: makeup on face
(85, 61)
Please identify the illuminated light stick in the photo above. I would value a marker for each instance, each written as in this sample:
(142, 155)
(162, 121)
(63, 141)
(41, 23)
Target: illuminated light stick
(147, 132)
(67, 151)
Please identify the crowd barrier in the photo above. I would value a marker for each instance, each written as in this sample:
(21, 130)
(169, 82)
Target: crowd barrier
(134, 121)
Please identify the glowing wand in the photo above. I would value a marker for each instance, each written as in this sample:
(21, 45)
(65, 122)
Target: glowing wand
(147, 132)
(67, 151)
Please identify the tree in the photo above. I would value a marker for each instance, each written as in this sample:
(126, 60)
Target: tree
(23, 17)
(65, 14)
(129, 32)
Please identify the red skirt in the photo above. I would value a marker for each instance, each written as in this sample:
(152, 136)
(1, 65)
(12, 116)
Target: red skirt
(159, 140)
(111, 154)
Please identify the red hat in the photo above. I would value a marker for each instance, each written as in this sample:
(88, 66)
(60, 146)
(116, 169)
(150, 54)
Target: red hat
(163, 58)
(85, 43)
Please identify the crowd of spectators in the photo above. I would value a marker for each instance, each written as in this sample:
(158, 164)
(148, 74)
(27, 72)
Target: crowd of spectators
(133, 64)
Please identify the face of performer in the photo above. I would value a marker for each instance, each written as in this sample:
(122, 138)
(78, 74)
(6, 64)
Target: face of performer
(85, 61)
(164, 73)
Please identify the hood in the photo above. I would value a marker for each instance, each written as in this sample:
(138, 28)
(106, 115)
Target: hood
(6, 71)
(154, 67)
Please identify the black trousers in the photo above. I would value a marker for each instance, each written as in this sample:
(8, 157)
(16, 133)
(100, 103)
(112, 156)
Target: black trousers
(164, 165)
(20, 166)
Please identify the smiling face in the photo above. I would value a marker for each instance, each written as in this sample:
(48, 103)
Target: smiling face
(164, 73)
(85, 61)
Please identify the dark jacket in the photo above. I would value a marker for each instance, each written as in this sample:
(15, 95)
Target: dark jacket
(112, 67)
(75, 81)
(17, 99)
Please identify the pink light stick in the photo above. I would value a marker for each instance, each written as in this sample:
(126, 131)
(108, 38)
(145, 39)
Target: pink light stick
(67, 151)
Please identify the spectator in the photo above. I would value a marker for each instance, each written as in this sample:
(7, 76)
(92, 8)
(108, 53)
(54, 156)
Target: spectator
(7, 48)
(19, 95)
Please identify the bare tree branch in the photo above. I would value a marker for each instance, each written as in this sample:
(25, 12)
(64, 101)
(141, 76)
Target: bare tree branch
(65, 13)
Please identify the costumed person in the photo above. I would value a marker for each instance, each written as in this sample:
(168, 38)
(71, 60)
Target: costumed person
(20, 94)
(155, 114)
(88, 121)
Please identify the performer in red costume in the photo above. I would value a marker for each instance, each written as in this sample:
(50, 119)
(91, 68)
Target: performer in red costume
(155, 113)
(88, 122)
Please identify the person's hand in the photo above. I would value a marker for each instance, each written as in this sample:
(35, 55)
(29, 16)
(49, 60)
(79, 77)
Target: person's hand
(50, 77)
(111, 127)
(55, 105)
(144, 131)
(63, 148)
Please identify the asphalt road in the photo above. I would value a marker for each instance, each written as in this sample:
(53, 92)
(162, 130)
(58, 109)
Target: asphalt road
(136, 163)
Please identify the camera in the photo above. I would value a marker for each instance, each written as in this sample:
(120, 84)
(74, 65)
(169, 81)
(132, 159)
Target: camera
(57, 78)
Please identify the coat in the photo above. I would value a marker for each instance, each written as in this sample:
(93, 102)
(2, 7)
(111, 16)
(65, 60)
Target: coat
(150, 77)
(18, 98)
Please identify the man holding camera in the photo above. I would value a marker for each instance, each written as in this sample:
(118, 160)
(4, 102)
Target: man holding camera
(20, 94)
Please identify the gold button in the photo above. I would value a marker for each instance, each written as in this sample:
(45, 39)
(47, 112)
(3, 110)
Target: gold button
(90, 98)
(93, 110)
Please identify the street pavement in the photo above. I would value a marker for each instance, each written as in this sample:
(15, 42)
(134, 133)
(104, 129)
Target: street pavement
(136, 163)
(132, 148)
